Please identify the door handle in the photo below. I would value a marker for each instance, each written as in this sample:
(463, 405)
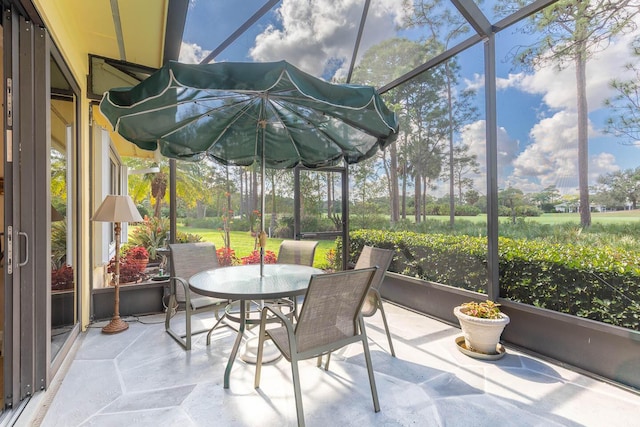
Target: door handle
(26, 248)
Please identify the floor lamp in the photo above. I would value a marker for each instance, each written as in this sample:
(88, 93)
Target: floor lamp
(117, 209)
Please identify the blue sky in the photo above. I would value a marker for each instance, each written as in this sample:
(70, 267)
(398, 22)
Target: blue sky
(536, 110)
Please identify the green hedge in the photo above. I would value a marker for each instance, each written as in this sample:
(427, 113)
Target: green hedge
(597, 283)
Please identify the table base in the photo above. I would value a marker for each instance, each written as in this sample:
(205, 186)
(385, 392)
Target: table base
(249, 351)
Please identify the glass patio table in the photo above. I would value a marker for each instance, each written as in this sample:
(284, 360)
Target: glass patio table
(244, 283)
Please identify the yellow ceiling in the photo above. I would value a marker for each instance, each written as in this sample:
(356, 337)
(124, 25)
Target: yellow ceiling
(83, 27)
(126, 30)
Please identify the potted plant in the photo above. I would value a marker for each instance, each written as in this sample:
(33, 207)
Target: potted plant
(151, 234)
(62, 278)
(137, 255)
(482, 324)
(132, 264)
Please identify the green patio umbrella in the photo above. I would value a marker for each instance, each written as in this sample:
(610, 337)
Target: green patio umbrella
(242, 113)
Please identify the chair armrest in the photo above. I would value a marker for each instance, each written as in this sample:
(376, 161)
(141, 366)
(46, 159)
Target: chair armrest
(285, 321)
(185, 285)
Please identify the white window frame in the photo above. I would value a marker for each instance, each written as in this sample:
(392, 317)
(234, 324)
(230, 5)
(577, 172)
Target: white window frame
(110, 178)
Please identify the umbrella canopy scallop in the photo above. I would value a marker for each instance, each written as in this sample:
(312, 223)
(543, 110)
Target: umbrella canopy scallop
(240, 113)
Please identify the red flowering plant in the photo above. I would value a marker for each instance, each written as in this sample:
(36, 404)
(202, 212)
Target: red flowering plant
(227, 257)
(132, 264)
(129, 272)
(137, 252)
(254, 258)
(62, 278)
(151, 234)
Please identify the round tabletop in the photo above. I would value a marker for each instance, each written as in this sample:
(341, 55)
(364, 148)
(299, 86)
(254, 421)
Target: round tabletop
(244, 281)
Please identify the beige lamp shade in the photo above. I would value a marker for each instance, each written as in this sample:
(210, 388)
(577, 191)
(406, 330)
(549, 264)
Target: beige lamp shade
(117, 209)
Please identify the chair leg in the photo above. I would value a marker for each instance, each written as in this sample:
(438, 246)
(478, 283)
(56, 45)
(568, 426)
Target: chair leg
(297, 391)
(170, 304)
(372, 380)
(167, 325)
(326, 364)
(220, 319)
(188, 325)
(386, 327)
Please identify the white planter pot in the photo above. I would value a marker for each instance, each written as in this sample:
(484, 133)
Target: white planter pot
(481, 335)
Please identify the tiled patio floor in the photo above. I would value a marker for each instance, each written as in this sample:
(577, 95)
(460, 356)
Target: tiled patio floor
(141, 377)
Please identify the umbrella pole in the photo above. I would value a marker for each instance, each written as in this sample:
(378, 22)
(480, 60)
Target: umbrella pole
(262, 236)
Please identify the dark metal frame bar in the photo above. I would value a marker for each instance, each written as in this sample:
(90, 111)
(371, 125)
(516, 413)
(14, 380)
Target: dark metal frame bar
(237, 33)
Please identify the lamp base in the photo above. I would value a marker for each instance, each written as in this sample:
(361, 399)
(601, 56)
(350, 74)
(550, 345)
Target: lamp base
(116, 325)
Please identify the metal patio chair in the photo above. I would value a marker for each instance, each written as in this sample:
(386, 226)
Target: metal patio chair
(330, 319)
(299, 252)
(381, 258)
(186, 260)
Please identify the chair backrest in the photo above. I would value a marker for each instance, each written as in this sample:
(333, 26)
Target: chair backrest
(188, 259)
(381, 258)
(297, 252)
(331, 308)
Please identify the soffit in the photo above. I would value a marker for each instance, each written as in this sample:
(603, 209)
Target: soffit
(123, 30)
(131, 31)
(114, 42)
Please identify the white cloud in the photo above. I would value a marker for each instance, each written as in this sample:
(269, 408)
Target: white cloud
(558, 87)
(474, 136)
(191, 53)
(552, 157)
(476, 83)
(601, 164)
(319, 33)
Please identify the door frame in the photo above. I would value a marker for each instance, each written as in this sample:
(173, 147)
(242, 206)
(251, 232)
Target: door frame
(27, 56)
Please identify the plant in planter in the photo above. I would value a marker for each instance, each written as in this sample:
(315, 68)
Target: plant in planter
(482, 324)
(132, 264)
(152, 235)
(137, 255)
(62, 278)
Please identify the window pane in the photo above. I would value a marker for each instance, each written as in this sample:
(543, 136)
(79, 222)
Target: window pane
(63, 263)
(439, 165)
(569, 172)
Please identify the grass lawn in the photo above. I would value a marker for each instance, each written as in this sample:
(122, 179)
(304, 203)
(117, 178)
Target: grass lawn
(243, 243)
(614, 217)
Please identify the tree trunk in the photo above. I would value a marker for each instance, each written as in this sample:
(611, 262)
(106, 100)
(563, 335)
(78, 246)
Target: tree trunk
(583, 136)
(255, 201)
(274, 213)
(201, 209)
(329, 194)
(404, 190)
(452, 205)
(418, 197)
(393, 166)
(424, 198)
(158, 190)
